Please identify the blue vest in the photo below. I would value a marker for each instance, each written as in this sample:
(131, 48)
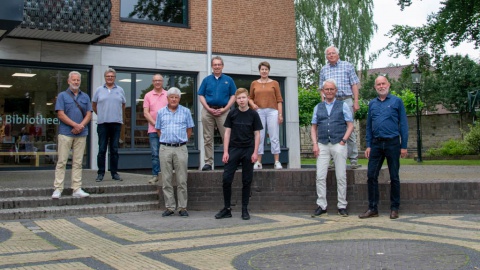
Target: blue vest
(331, 128)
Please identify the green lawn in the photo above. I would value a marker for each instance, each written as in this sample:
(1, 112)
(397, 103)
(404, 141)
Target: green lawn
(410, 161)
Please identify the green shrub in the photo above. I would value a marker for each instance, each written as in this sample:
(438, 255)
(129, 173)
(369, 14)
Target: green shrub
(472, 138)
(451, 148)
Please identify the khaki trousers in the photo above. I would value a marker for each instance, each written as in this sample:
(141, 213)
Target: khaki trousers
(174, 158)
(209, 121)
(65, 143)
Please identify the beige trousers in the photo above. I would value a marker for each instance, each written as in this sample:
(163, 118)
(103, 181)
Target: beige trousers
(209, 121)
(65, 143)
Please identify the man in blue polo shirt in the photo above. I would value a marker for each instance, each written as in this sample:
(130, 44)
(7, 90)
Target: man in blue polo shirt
(74, 111)
(387, 138)
(217, 95)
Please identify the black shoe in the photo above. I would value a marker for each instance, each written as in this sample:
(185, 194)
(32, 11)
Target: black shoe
(99, 178)
(207, 167)
(245, 214)
(224, 213)
(343, 212)
(168, 212)
(183, 212)
(320, 212)
(116, 177)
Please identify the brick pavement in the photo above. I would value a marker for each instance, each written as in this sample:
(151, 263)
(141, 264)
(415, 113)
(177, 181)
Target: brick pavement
(145, 240)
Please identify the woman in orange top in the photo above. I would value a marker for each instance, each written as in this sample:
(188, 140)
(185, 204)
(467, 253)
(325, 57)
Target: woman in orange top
(266, 99)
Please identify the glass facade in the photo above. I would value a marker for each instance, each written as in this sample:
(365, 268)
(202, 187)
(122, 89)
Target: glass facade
(136, 84)
(28, 122)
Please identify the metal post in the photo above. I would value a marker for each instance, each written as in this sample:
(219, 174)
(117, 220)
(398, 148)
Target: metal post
(419, 133)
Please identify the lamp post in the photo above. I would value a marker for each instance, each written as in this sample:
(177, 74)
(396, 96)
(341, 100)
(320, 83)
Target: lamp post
(416, 77)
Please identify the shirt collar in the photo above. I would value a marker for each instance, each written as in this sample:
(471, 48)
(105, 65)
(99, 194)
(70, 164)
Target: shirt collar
(105, 86)
(334, 65)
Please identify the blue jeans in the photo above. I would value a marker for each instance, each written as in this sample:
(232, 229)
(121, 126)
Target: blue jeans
(154, 143)
(108, 135)
(380, 150)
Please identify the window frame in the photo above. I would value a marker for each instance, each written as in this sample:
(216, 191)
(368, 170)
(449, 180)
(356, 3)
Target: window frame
(185, 24)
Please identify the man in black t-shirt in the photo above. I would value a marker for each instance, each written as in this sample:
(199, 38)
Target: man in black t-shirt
(240, 145)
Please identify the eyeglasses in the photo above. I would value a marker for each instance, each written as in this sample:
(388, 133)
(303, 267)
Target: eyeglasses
(329, 89)
(109, 76)
(331, 53)
(157, 80)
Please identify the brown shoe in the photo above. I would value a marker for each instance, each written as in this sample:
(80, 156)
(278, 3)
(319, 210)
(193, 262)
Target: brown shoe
(394, 214)
(369, 214)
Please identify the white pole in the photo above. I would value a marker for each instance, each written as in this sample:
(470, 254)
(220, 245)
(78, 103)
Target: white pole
(209, 35)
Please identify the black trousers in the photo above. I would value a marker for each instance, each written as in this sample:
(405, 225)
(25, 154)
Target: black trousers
(237, 156)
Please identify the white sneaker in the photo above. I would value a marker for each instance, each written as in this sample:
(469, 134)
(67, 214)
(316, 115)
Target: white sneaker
(278, 165)
(257, 166)
(80, 194)
(153, 180)
(56, 194)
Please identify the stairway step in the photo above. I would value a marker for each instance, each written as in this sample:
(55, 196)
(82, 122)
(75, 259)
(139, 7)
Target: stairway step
(105, 198)
(77, 210)
(35, 192)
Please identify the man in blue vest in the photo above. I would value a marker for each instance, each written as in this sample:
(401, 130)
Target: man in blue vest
(332, 124)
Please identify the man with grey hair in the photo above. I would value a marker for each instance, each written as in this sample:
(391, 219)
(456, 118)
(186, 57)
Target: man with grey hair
(74, 111)
(174, 127)
(109, 104)
(332, 125)
(347, 82)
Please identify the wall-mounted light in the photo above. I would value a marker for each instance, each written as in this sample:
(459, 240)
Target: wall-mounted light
(29, 75)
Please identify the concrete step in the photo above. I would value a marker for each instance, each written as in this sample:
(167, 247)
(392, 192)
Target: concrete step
(42, 191)
(77, 210)
(104, 198)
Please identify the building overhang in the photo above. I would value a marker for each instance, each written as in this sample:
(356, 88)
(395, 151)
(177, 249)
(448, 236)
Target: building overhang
(11, 15)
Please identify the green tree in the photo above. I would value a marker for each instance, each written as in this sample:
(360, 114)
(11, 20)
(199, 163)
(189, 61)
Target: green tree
(455, 22)
(348, 25)
(307, 99)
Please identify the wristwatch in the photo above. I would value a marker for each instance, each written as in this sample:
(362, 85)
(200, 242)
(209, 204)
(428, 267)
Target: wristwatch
(344, 141)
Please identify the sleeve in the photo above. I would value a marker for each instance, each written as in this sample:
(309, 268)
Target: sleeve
(89, 104)
(352, 75)
(252, 91)
(403, 122)
(228, 121)
(158, 122)
(190, 123)
(321, 78)
(314, 116)
(257, 123)
(233, 87)
(60, 104)
(368, 136)
(203, 86)
(278, 93)
(124, 100)
(347, 113)
(95, 95)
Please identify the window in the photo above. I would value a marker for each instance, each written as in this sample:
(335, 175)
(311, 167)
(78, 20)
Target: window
(163, 12)
(134, 134)
(28, 121)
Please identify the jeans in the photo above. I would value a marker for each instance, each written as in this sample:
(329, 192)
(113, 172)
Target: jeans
(108, 135)
(378, 152)
(154, 144)
(237, 156)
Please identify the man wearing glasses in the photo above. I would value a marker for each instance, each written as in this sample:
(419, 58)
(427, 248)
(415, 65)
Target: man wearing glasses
(347, 82)
(332, 124)
(109, 103)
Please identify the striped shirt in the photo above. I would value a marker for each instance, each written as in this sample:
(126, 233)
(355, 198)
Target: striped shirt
(174, 125)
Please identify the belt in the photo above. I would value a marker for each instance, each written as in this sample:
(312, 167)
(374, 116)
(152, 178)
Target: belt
(173, 144)
(344, 97)
(216, 107)
(385, 139)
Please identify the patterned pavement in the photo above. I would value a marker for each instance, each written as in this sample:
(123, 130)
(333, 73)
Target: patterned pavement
(145, 240)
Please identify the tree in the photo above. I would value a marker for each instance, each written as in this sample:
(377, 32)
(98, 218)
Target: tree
(455, 22)
(159, 10)
(307, 100)
(348, 25)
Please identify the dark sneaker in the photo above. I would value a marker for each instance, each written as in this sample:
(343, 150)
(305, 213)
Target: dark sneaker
(99, 178)
(207, 167)
(320, 212)
(117, 177)
(343, 212)
(167, 213)
(183, 212)
(224, 213)
(354, 165)
(245, 214)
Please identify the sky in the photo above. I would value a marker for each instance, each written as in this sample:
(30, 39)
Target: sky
(387, 13)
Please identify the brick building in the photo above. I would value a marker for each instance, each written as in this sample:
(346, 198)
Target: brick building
(43, 40)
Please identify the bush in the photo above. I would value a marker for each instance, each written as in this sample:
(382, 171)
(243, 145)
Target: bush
(451, 148)
(472, 138)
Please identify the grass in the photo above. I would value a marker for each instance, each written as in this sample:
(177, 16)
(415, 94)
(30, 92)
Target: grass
(410, 161)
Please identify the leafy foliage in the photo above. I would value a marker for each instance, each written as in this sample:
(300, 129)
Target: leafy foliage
(455, 22)
(451, 148)
(170, 11)
(348, 25)
(472, 138)
(363, 111)
(307, 100)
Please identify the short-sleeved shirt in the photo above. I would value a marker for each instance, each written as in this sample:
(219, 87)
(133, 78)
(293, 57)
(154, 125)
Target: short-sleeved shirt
(154, 102)
(66, 104)
(344, 75)
(217, 92)
(173, 125)
(243, 125)
(109, 104)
